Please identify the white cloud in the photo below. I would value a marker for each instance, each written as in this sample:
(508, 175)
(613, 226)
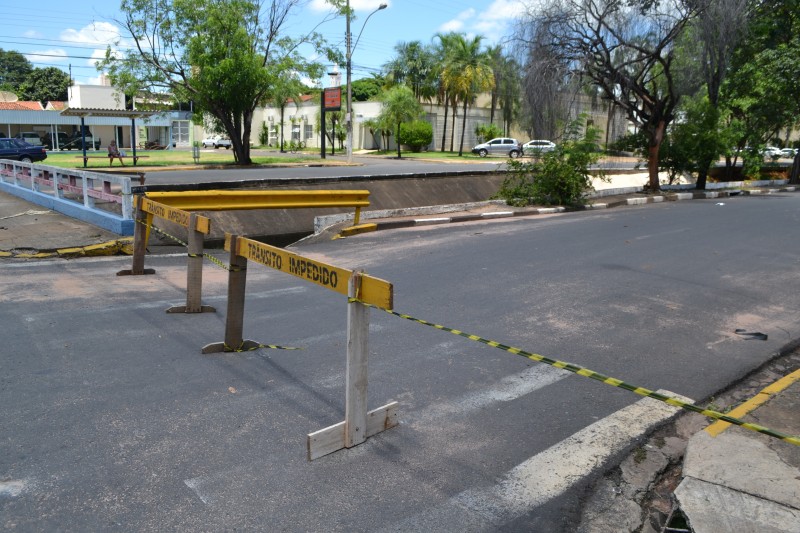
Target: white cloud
(451, 25)
(101, 34)
(55, 55)
(458, 23)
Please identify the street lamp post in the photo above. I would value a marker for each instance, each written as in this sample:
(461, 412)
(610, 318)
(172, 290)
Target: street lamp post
(349, 67)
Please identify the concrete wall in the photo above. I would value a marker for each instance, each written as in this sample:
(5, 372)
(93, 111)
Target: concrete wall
(386, 192)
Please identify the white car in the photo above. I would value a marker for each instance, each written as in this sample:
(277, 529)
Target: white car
(538, 146)
(789, 152)
(771, 151)
(216, 142)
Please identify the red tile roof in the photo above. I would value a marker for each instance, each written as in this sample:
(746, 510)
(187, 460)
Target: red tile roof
(21, 106)
(55, 105)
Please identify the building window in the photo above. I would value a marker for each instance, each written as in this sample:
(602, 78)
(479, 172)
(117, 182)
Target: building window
(180, 132)
(309, 131)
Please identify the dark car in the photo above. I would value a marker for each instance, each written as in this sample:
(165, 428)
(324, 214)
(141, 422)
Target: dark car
(19, 150)
(75, 142)
(61, 139)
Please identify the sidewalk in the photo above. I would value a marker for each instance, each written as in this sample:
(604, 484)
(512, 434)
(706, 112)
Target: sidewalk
(31, 231)
(737, 481)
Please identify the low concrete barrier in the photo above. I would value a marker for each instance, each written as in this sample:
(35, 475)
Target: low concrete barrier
(104, 200)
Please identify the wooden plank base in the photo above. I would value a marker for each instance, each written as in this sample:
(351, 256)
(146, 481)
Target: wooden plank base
(332, 438)
(185, 309)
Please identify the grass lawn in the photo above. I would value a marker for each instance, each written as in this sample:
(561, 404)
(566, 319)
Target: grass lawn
(165, 158)
(430, 155)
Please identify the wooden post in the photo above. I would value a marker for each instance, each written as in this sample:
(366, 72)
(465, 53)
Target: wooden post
(359, 424)
(234, 320)
(194, 273)
(355, 418)
(140, 234)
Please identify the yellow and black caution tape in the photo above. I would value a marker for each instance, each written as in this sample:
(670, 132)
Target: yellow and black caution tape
(176, 239)
(585, 372)
(252, 348)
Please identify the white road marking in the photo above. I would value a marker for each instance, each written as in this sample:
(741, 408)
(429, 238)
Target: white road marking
(548, 474)
(507, 389)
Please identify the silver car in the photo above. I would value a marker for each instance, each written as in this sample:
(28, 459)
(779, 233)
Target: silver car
(500, 146)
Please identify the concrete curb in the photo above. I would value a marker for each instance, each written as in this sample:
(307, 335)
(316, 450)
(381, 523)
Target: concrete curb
(123, 246)
(674, 197)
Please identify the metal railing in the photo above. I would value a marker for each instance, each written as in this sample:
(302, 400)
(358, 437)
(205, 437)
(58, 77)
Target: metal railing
(101, 199)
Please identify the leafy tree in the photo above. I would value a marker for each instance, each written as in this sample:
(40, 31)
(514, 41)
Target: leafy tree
(334, 128)
(222, 55)
(14, 69)
(399, 105)
(560, 177)
(367, 89)
(417, 135)
(379, 126)
(704, 54)
(506, 90)
(284, 90)
(625, 48)
(467, 73)
(412, 66)
(764, 95)
(484, 132)
(44, 84)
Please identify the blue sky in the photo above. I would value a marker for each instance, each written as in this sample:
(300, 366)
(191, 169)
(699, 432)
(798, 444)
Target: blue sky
(65, 33)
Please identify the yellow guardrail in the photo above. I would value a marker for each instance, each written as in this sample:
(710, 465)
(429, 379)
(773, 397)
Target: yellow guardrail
(222, 200)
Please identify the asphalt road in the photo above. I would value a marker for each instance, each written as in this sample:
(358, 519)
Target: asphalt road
(113, 421)
(364, 166)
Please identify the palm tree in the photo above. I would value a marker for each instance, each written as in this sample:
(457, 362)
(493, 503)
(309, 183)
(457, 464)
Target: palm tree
(399, 105)
(506, 91)
(411, 66)
(446, 94)
(467, 73)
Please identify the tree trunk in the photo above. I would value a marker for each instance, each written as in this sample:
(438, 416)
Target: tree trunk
(453, 125)
(282, 150)
(656, 137)
(702, 176)
(463, 129)
(794, 176)
(444, 129)
(397, 139)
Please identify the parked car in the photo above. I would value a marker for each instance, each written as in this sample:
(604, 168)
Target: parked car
(499, 146)
(61, 139)
(789, 152)
(30, 137)
(19, 150)
(538, 146)
(216, 141)
(772, 152)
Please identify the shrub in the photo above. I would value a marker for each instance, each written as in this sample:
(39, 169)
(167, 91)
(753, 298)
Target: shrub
(560, 177)
(416, 135)
(263, 135)
(484, 132)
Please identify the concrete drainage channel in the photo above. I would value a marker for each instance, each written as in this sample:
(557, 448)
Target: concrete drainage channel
(638, 495)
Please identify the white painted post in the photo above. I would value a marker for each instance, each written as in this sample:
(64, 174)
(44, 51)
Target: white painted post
(355, 418)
